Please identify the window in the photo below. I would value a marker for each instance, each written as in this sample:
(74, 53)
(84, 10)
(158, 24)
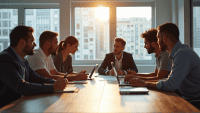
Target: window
(91, 39)
(29, 23)
(5, 32)
(77, 33)
(40, 20)
(7, 23)
(4, 23)
(85, 57)
(94, 28)
(29, 11)
(196, 29)
(85, 46)
(125, 25)
(85, 40)
(91, 57)
(77, 26)
(5, 15)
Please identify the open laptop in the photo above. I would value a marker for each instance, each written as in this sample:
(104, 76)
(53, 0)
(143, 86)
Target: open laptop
(90, 75)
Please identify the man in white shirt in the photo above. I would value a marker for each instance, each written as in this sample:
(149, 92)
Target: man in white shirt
(42, 63)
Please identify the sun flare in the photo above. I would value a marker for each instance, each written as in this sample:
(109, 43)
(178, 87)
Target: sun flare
(102, 13)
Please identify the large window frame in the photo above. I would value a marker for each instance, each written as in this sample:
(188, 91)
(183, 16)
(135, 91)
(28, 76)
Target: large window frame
(23, 6)
(112, 22)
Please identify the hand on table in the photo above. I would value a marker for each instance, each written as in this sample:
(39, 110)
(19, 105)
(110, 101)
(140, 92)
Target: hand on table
(60, 84)
(128, 77)
(111, 72)
(120, 72)
(81, 76)
(132, 72)
(137, 82)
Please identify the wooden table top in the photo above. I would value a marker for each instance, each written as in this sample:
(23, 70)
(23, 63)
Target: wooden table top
(101, 95)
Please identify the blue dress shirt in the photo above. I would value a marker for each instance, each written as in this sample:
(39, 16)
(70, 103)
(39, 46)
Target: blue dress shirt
(185, 73)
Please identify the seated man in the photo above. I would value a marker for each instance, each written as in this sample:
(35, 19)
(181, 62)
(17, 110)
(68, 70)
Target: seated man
(17, 78)
(185, 69)
(42, 61)
(163, 62)
(122, 60)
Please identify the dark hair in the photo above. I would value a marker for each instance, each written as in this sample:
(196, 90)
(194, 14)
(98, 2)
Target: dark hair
(47, 36)
(170, 30)
(69, 40)
(150, 35)
(121, 40)
(19, 32)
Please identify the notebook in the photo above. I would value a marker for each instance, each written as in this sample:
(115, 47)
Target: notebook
(133, 90)
(68, 90)
(77, 82)
(92, 73)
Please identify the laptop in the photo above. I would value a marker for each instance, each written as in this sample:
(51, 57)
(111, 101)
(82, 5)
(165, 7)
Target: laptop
(133, 90)
(120, 79)
(90, 75)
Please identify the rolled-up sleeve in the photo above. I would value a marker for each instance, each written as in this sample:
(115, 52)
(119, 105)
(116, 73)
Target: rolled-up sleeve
(180, 69)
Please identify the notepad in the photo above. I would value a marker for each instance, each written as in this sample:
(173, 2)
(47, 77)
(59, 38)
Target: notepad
(133, 90)
(77, 82)
(69, 90)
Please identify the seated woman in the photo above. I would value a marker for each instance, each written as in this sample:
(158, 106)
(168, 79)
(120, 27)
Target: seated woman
(63, 60)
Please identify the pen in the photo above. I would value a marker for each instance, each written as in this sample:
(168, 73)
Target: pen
(67, 73)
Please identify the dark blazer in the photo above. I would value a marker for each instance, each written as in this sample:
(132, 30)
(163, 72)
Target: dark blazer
(127, 63)
(12, 84)
(60, 65)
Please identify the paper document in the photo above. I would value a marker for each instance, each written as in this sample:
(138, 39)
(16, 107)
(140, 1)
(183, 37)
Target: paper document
(68, 90)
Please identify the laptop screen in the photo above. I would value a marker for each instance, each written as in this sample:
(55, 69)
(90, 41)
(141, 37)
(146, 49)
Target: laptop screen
(95, 67)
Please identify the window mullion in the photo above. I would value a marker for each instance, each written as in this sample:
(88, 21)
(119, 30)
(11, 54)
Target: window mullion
(21, 16)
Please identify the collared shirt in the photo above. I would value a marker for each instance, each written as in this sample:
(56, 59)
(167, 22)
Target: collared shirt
(118, 63)
(40, 61)
(185, 74)
(163, 62)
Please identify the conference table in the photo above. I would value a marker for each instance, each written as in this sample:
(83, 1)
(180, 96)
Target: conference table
(101, 95)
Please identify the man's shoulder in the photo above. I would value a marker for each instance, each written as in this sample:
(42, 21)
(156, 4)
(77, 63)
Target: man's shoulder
(5, 56)
(127, 54)
(184, 50)
(110, 54)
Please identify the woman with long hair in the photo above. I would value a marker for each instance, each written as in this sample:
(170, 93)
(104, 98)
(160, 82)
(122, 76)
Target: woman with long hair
(63, 60)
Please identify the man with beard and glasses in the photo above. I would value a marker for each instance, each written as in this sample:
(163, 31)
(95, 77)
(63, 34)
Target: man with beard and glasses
(42, 61)
(17, 78)
(123, 61)
(163, 62)
(185, 71)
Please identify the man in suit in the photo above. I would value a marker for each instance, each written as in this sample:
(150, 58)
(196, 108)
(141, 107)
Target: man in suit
(17, 78)
(123, 61)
